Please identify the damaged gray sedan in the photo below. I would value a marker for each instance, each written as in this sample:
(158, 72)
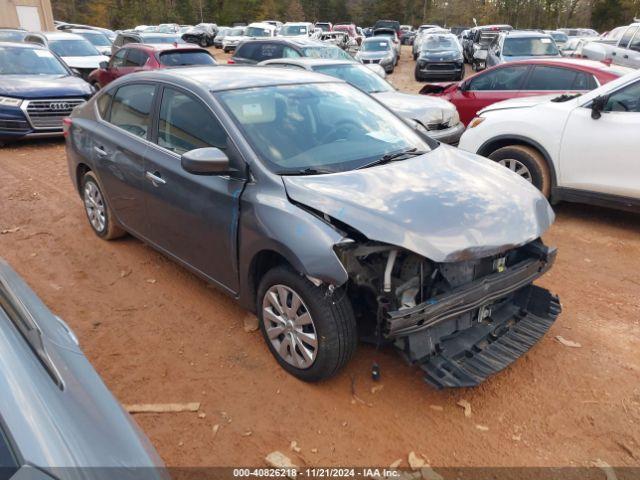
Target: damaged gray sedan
(324, 213)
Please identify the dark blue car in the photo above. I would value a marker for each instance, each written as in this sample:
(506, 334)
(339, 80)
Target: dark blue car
(36, 92)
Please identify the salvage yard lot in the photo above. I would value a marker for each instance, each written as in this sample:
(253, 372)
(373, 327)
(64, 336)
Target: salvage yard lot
(158, 334)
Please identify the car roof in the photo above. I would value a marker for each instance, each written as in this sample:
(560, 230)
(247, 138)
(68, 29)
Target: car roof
(60, 36)
(311, 62)
(299, 41)
(23, 45)
(220, 78)
(525, 34)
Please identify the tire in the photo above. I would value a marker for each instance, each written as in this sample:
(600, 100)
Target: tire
(331, 317)
(106, 229)
(96, 85)
(415, 57)
(225, 50)
(203, 42)
(531, 159)
(417, 75)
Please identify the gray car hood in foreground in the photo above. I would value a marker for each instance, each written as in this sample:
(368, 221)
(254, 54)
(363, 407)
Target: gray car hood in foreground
(422, 108)
(446, 205)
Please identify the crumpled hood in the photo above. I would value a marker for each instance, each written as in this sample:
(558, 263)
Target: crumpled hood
(520, 102)
(43, 86)
(92, 61)
(446, 205)
(418, 107)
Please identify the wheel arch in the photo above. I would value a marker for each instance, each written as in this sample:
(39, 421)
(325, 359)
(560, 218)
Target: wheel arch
(495, 143)
(81, 170)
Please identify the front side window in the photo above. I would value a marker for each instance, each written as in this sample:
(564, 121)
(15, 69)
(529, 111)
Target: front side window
(321, 126)
(8, 463)
(118, 58)
(529, 47)
(628, 35)
(186, 124)
(625, 100)
(131, 108)
(29, 61)
(288, 52)
(136, 58)
(635, 42)
(507, 78)
(73, 48)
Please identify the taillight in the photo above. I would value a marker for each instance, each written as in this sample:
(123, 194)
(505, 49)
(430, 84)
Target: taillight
(66, 126)
(231, 61)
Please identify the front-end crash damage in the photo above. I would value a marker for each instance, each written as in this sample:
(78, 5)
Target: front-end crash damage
(459, 321)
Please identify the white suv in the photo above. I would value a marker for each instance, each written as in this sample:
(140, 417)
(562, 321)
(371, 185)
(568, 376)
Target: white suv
(582, 148)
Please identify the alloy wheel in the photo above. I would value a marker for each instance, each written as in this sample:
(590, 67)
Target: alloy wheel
(517, 167)
(95, 207)
(289, 326)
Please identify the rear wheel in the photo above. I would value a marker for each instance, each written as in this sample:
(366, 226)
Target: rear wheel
(204, 43)
(97, 209)
(311, 333)
(526, 162)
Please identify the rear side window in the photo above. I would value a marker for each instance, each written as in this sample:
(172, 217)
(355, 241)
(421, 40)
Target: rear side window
(551, 78)
(131, 107)
(136, 58)
(186, 124)
(506, 78)
(177, 58)
(246, 50)
(628, 35)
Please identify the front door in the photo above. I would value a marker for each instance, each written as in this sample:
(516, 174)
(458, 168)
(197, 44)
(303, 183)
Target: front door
(602, 155)
(192, 217)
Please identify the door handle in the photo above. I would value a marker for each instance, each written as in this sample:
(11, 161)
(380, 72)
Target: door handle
(100, 151)
(626, 56)
(155, 178)
(613, 54)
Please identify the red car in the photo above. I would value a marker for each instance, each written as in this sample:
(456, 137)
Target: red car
(521, 79)
(136, 57)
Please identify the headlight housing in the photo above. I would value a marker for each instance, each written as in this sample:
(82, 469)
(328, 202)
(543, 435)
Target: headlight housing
(10, 102)
(475, 122)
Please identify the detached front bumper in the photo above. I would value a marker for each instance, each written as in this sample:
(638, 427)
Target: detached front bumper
(471, 332)
(449, 135)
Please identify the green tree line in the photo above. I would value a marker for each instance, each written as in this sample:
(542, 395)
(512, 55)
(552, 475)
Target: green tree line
(120, 14)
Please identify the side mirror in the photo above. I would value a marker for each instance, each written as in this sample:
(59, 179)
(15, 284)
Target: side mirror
(597, 106)
(104, 65)
(206, 161)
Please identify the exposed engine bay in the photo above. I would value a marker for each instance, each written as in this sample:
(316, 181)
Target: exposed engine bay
(459, 321)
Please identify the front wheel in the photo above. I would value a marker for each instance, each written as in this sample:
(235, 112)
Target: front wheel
(526, 162)
(311, 332)
(204, 43)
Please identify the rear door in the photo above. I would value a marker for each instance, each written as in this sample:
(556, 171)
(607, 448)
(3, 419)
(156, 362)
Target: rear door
(193, 217)
(632, 57)
(491, 86)
(119, 144)
(602, 155)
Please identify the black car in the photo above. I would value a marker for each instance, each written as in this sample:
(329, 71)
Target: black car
(440, 57)
(203, 34)
(252, 52)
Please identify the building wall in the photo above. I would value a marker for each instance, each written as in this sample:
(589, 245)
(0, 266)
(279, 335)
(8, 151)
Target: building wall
(9, 14)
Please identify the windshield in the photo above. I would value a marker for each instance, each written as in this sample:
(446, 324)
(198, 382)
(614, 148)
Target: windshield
(73, 48)
(97, 39)
(358, 76)
(258, 32)
(289, 30)
(529, 47)
(440, 43)
(152, 39)
(320, 126)
(376, 46)
(12, 36)
(29, 61)
(178, 58)
(330, 52)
